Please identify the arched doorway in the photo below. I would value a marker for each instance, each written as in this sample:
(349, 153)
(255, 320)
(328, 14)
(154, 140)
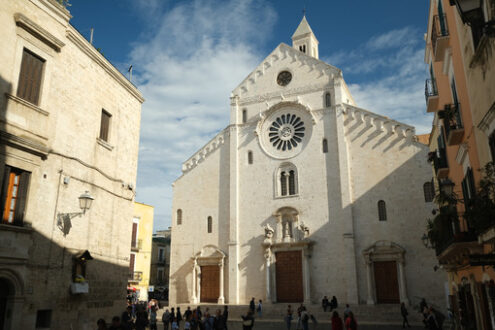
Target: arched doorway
(7, 292)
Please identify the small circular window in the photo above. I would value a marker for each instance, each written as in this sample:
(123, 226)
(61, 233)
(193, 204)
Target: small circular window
(284, 78)
(286, 132)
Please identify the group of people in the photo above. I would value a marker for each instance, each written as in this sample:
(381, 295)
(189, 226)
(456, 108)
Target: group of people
(432, 319)
(196, 319)
(332, 304)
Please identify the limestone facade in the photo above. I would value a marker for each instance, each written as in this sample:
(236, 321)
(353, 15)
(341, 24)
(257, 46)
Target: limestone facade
(49, 252)
(268, 185)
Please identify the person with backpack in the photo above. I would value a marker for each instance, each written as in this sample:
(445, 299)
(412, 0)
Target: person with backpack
(248, 321)
(350, 322)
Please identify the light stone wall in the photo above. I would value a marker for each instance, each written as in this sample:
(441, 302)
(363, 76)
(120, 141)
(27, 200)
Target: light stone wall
(57, 140)
(369, 158)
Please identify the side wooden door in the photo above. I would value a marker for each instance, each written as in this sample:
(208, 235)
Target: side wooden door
(210, 283)
(387, 285)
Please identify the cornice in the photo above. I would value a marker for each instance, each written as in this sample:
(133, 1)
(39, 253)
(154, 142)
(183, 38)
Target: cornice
(40, 33)
(81, 43)
(25, 144)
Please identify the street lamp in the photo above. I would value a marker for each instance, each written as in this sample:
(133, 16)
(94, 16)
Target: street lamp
(63, 219)
(85, 201)
(447, 187)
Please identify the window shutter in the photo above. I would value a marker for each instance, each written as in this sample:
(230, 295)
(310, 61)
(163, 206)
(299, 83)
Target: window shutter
(292, 183)
(105, 125)
(283, 184)
(134, 232)
(131, 264)
(5, 185)
(382, 211)
(21, 199)
(30, 77)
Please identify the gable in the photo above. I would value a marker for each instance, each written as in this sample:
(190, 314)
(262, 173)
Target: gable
(307, 73)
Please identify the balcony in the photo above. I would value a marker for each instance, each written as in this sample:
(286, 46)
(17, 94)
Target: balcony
(136, 245)
(135, 276)
(454, 130)
(440, 164)
(431, 95)
(439, 36)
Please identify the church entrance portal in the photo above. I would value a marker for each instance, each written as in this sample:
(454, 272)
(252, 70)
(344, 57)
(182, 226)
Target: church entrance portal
(210, 283)
(288, 269)
(6, 290)
(387, 285)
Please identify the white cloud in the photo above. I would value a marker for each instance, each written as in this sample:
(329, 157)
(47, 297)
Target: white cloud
(386, 75)
(196, 55)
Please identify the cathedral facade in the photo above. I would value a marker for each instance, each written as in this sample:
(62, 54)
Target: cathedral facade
(303, 195)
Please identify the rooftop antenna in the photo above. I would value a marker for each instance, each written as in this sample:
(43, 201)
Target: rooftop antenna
(91, 36)
(130, 73)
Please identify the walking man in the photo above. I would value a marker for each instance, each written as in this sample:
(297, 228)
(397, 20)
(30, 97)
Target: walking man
(404, 313)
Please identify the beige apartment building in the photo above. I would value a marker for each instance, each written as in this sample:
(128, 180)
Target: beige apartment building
(460, 91)
(69, 135)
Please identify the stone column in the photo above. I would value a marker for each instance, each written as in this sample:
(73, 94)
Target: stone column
(279, 234)
(198, 286)
(267, 270)
(221, 298)
(194, 299)
(369, 281)
(402, 283)
(306, 279)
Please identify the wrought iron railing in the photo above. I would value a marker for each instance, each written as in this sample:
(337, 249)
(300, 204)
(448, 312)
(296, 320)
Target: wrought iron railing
(452, 118)
(447, 225)
(430, 88)
(135, 276)
(440, 160)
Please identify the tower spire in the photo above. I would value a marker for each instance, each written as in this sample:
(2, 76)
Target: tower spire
(304, 39)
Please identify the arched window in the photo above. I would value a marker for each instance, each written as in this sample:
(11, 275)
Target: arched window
(429, 192)
(325, 146)
(179, 217)
(250, 157)
(287, 180)
(210, 224)
(302, 48)
(328, 100)
(244, 116)
(382, 211)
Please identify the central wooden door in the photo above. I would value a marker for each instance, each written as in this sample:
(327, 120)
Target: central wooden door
(387, 286)
(210, 283)
(289, 279)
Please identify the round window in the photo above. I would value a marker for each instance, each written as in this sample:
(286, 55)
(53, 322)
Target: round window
(284, 78)
(286, 132)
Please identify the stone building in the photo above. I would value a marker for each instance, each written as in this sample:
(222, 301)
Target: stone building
(141, 250)
(460, 91)
(69, 130)
(303, 195)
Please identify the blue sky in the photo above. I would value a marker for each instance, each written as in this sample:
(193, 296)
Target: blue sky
(188, 55)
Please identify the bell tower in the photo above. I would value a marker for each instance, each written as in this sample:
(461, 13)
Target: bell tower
(304, 39)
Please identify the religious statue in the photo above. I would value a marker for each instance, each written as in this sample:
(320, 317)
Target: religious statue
(304, 229)
(268, 233)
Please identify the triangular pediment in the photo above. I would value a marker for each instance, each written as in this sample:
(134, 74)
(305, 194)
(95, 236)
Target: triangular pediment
(263, 78)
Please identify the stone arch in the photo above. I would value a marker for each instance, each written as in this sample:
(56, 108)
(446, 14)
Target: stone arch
(13, 300)
(16, 281)
(380, 252)
(209, 256)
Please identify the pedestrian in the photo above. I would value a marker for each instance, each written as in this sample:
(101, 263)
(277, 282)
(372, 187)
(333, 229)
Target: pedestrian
(218, 323)
(126, 319)
(299, 311)
(404, 313)
(305, 319)
(423, 309)
(116, 325)
(187, 322)
(337, 323)
(333, 303)
(248, 320)
(187, 313)
(431, 320)
(208, 321)
(324, 303)
(347, 310)
(313, 321)
(350, 322)
(141, 320)
(198, 311)
(225, 316)
(259, 309)
(172, 315)
(102, 325)
(251, 305)
(288, 317)
(166, 319)
(174, 324)
(439, 317)
(153, 317)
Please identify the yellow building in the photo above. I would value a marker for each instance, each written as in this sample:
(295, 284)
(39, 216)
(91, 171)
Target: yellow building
(140, 258)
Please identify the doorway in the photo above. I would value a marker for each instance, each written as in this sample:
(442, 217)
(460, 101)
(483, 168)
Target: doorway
(210, 283)
(387, 285)
(289, 279)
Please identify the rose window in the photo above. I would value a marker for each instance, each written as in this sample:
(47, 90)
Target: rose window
(286, 132)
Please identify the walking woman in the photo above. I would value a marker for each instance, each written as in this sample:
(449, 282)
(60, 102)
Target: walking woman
(350, 322)
(288, 317)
